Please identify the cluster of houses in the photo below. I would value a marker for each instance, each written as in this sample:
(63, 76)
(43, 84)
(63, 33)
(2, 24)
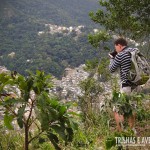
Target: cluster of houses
(69, 84)
(68, 87)
(53, 29)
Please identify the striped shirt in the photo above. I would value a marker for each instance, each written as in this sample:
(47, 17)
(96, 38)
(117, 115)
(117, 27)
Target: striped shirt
(123, 62)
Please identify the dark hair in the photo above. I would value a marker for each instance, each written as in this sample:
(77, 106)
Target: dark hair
(121, 41)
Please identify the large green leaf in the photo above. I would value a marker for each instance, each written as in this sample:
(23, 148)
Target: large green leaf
(8, 118)
(71, 123)
(10, 101)
(54, 113)
(62, 109)
(60, 130)
(69, 134)
(21, 83)
(45, 120)
(42, 100)
(21, 111)
(54, 102)
(29, 83)
(26, 96)
(54, 139)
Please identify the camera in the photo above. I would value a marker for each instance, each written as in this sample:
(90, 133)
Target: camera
(112, 54)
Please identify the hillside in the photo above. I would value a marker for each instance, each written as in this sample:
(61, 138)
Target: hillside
(23, 49)
(64, 12)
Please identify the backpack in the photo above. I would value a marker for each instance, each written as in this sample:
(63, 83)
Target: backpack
(139, 73)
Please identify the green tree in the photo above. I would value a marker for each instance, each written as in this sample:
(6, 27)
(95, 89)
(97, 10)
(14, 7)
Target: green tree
(34, 107)
(126, 18)
(87, 102)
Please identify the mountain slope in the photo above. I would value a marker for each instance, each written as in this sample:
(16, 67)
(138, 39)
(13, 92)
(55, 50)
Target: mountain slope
(66, 12)
(23, 49)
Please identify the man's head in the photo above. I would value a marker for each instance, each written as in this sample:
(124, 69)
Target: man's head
(120, 44)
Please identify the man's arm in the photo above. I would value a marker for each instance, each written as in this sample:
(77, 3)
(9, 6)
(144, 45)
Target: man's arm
(115, 63)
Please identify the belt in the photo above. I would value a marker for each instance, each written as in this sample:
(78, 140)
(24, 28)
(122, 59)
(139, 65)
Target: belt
(125, 85)
(128, 83)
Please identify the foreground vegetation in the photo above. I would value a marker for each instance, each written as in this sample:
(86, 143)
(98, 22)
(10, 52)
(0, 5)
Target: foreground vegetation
(97, 135)
(31, 108)
(58, 126)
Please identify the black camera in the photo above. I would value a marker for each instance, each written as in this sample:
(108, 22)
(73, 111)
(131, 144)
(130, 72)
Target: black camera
(113, 54)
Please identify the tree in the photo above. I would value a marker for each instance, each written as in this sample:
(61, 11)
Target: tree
(89, 99)
(32, 106)
(126, 18)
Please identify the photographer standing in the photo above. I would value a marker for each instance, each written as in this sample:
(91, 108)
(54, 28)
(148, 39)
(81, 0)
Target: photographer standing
(121, 59)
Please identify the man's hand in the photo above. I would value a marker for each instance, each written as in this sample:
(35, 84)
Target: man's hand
(113, 54)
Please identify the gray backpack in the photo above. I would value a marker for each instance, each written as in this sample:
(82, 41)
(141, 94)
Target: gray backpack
(139, 73)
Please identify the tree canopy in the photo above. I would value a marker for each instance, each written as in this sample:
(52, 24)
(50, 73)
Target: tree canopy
(128, 18)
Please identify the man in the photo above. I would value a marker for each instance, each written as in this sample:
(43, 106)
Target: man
(121, 59)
